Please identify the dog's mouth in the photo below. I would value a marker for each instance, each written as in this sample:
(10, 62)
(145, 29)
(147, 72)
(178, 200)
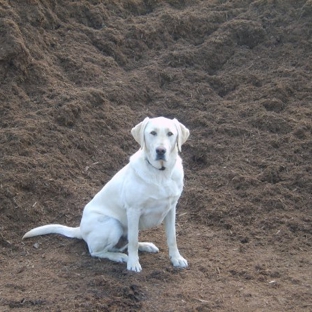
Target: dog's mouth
(162, 165)
(161, 157)
(162, 161)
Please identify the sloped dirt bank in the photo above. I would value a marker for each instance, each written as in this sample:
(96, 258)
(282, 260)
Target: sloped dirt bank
(76, 76)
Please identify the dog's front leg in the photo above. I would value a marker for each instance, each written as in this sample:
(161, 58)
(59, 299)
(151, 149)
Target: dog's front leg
(176, 259)
(133, 216)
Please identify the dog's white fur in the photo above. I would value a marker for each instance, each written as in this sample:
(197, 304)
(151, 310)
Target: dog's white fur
(140, 196)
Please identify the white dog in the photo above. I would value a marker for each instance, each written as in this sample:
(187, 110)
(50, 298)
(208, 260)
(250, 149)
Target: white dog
(140, 196)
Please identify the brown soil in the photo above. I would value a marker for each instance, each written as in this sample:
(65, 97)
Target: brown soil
(77, 75)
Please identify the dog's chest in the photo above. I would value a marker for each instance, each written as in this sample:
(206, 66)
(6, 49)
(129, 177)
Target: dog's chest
(162, 191)
(157, 204)
(152, 195)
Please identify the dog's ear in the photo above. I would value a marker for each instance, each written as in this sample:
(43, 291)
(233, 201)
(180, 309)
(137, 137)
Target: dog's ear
(183, 133)
(138, 131)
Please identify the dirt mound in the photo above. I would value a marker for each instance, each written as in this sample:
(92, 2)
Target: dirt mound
(77, 76)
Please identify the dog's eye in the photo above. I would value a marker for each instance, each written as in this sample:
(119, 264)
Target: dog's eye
(153, 133)
(169, 133)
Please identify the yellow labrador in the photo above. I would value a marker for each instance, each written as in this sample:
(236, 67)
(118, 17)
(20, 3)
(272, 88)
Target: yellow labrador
(140, 196)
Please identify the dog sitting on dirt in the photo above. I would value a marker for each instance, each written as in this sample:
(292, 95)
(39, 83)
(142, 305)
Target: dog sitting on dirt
(140, 196)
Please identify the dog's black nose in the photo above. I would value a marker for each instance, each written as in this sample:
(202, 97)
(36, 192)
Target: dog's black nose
(160, 151)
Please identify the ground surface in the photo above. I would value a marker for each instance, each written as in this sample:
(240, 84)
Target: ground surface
(76, 76)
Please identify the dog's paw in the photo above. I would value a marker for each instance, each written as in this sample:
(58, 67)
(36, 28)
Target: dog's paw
(117, 256)
(179, 262)
(134, 265)
(148, 247)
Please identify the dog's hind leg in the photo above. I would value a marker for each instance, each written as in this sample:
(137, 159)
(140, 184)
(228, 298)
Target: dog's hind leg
(148, 247)
(104, 236)
(110, 255)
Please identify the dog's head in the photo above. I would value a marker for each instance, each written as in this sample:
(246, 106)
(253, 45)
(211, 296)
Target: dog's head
(161, 139)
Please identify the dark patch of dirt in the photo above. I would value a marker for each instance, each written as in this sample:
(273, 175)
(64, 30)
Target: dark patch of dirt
(76, 76)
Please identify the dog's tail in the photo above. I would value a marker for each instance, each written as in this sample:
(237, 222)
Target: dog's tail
(72, 232)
